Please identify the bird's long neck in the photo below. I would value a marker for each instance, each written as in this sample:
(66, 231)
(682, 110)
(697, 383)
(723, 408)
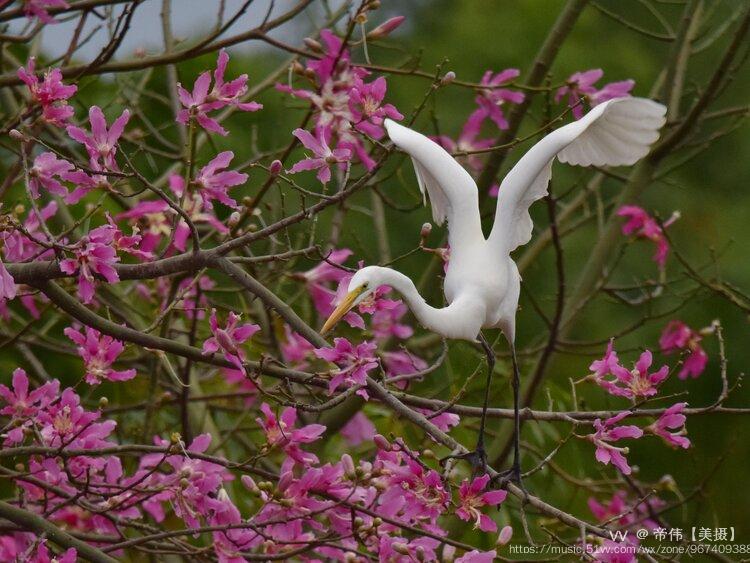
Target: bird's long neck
(429, 317)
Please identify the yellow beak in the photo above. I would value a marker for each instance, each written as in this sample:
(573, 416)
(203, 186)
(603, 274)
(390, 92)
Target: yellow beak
(341, 309)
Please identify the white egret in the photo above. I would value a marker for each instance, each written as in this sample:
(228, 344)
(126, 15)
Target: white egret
(482, 282)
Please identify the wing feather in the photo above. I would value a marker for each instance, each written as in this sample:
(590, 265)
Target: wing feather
(616, 133)
(451, 189)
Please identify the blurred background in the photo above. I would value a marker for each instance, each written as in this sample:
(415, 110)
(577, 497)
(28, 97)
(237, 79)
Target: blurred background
(711, 190)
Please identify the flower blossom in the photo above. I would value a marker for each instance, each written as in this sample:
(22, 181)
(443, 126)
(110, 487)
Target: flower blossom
(229, 338)
(641, 225)
(492, 97)
(359, 429)
(467, 141)
(99, 352)
(42, 174)
(631, 384)
(213, 181)
(368, 109)
(8, 287)
(581, 85)
(23, 406)
(626, 514)
(43, 555)
(354, 363)
(607, 432)
(38, 9)
(670, 427)
(101, 144)
(679, 336)
(200, 101)
(323, 157)
(49, 92)
(94, 254)
(472, 497)
(281, 433)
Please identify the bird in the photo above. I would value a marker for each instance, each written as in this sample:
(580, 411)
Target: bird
(482, 283)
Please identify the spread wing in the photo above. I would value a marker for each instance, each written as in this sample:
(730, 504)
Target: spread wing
(451, 189)
(616, 133)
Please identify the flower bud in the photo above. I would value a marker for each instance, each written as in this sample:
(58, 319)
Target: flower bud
(234, 218)
(385, 28)
(103, 402)
(504, 536)
(175, 438)
(297, 68)
(426, 230)
(449, 77)
(250, 484)
(312, 44)
(16, 135)
(275, 167)
(350, 557)
(401, 548)
(381, 442)
(420, 553)
(348, 464)
(449, 553)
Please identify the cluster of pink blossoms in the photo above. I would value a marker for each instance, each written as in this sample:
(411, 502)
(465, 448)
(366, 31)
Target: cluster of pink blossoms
(677, 336)
(49, 92)
(640, 224)
(38, 8)
(580, 86)
(201, 101)
(346, 108)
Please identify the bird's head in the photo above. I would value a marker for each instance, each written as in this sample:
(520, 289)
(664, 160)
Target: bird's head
(363, 283)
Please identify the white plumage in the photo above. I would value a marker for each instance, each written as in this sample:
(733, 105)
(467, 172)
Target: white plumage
(482, 283)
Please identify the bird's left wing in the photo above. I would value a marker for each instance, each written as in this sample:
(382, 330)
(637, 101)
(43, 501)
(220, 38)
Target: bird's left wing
(616, 133)
(451, 189)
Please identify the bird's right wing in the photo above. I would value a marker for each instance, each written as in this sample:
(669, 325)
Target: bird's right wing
(616, 133)
(451, 189)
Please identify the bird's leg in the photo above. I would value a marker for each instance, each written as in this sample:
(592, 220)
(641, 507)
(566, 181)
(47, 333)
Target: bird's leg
(478, 457)
(514, 473)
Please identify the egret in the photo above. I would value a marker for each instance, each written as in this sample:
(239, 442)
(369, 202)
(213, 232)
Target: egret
(482, 283)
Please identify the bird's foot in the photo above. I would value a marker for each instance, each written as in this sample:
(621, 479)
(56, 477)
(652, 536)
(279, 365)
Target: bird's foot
(512, 475)
(477, 458)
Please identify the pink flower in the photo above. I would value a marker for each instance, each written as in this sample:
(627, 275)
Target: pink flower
(354, 363)
(323, 155)
(386, 27)
(670, 426)
(385, 321)
(476, 556)
(213, 181)
(65, 422)
(99, 352)
(229, 338)
(42, 174)
(641, 225)
(43, 555)
(281, 433)
(444, 421)
(679, 336)
(581, 85)
(368, 110)
(49, 92)
(472, 497)
(400, 363)
(8, 287)
(101, 144)
(624, 513)
(18, 247)
(22, 404)
(491, 97)
(631, 384)
(359, 429)
(467, 141)
(94, 254)
(295, 349)
(198, 103)
(606, 433)
(38, 9)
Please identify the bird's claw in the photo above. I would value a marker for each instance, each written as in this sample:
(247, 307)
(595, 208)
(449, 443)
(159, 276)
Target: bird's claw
(477, 458)
(512, 475)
